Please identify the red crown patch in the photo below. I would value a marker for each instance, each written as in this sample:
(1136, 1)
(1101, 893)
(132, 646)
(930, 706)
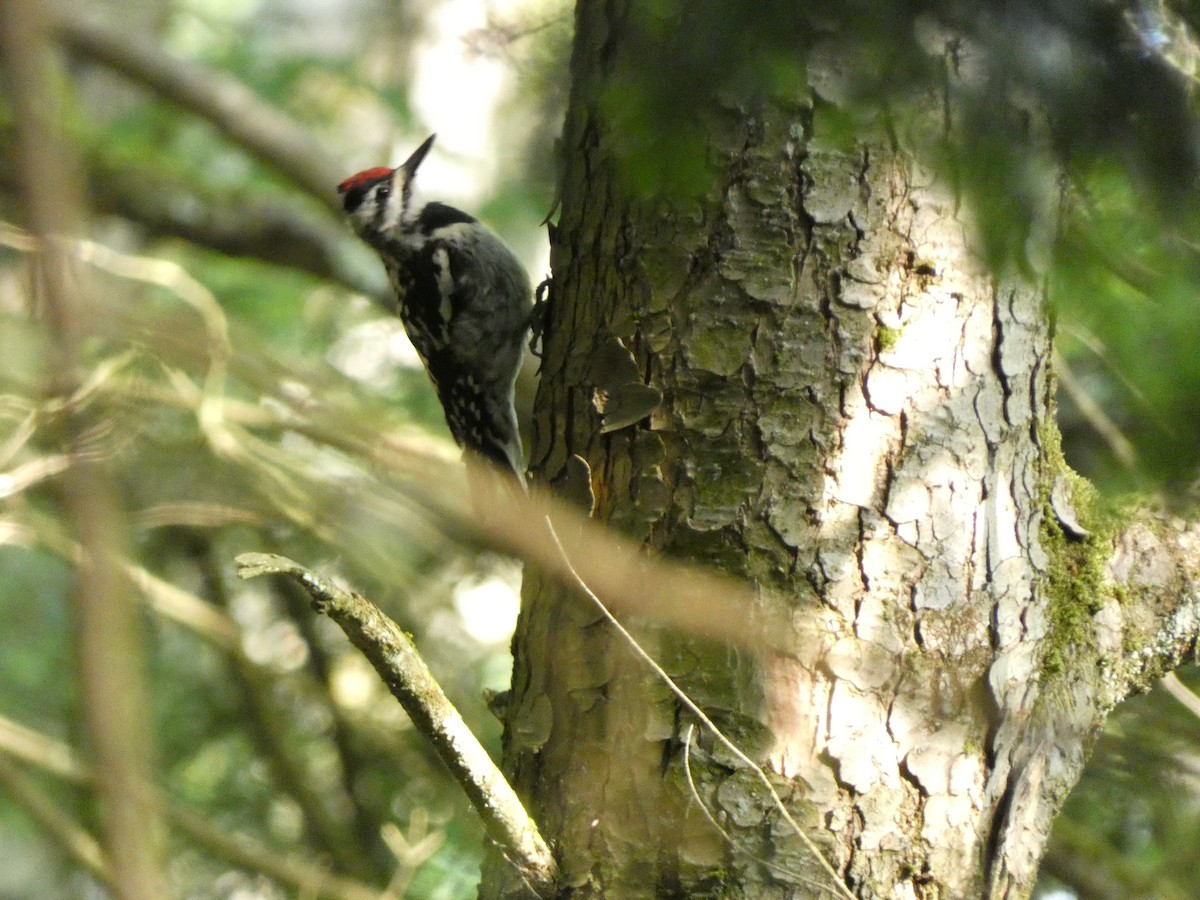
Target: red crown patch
(366, 176)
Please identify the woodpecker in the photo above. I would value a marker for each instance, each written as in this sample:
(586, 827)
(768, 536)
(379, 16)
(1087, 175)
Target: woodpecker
(463, 296)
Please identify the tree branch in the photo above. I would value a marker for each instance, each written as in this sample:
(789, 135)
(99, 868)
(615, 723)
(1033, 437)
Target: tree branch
(306, 879)
(242, 116)
(276, 232)
(396, 660)
(631, 582)
(1155, 623)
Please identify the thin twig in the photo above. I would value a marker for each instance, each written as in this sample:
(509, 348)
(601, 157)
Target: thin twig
(1182, 693)
(303, 877)
(60, 824)
(702, 717)
(1095, 415)
(397, 661)
(687, 771)
(166, 599)
(41, 750)
(729, 838)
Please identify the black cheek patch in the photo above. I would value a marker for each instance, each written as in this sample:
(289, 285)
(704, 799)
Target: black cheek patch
(353, 198)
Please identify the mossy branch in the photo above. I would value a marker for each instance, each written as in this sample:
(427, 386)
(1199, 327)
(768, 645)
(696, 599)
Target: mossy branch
(397, 661)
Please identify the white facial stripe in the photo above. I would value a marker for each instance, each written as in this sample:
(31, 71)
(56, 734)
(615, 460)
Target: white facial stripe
(393, 209)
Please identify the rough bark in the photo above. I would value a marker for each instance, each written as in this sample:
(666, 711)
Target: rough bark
(856, 416)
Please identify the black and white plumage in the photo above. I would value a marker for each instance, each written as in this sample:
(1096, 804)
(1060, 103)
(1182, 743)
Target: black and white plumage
(464, 298)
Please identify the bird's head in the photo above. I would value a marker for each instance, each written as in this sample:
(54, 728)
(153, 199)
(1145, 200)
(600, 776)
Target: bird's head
(376, 201)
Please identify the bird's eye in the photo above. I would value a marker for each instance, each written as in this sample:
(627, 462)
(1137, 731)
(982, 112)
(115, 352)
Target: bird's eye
(383, 192)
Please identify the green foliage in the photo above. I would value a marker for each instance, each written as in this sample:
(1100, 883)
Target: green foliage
(37, 585)
(1125, 281)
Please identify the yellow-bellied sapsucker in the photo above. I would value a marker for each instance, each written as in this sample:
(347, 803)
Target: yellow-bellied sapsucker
(464, 299)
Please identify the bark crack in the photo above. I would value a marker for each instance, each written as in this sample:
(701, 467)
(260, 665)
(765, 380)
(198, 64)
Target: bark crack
(998, 336)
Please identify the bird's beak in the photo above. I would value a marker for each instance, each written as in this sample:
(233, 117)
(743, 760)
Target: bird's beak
(410, 165)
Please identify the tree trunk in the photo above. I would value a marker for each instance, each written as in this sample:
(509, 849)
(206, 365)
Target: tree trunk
(857, 416)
